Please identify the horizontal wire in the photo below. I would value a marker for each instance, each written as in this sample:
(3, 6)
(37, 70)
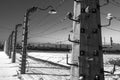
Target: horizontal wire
(112, 29)
(60, 4)
(116, 2)
(64, 28)
(61, 41)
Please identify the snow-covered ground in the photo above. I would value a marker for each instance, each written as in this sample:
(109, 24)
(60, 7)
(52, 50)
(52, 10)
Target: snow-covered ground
(57, 57)
(37, 69)
(60, 58)
(7, 69)
(108, 57)
(108, 67)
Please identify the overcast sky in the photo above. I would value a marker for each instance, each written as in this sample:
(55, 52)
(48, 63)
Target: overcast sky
(50, 28)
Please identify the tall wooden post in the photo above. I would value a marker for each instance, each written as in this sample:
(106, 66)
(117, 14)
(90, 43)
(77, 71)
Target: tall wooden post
(11, 44)
(25, 37)
(8, 46)
(15, 41)
(88, 53)
(5, 46)
(75, 46)
(111, 42)
(24, 44)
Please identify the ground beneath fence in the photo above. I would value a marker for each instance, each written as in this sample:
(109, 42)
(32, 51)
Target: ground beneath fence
(7, 69)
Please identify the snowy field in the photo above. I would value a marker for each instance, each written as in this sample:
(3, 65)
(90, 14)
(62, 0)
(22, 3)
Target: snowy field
(57, 57)
(108, 57)
(60, 58)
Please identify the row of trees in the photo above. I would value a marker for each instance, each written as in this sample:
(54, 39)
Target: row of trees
(47, 46)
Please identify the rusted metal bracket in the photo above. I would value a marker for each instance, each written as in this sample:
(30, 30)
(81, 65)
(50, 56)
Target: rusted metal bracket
(74, 41)
(70, 63)
(70, 16)
(111, 72)
(109, 23)
(109, 17)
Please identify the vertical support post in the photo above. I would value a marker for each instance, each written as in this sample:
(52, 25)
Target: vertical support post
(8, 46)
(75, 46)
(15, 41)
(24, 43)
(5, 46)
(11, 44)
(91, 56)
(88, 54)
(25, 37)
(111, 42)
